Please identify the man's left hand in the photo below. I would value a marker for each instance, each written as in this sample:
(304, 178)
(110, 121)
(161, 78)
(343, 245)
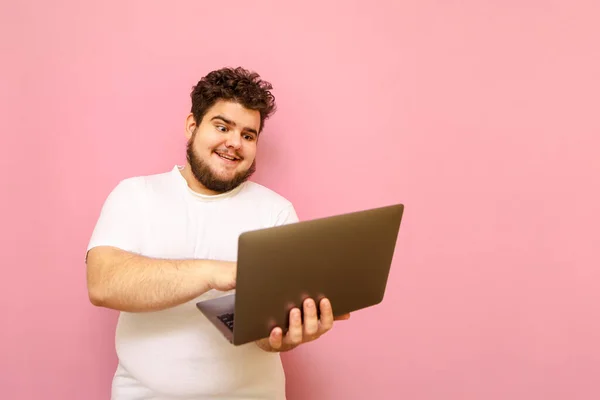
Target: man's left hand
(299, 333)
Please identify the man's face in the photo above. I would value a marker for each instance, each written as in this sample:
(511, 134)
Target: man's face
(221, 150)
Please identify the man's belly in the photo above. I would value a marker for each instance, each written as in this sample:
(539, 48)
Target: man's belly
(179, 354)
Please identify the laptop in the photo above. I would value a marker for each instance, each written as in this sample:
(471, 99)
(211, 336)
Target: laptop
(346, 258)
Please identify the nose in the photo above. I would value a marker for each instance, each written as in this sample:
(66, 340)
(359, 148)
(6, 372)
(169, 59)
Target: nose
(234, 140)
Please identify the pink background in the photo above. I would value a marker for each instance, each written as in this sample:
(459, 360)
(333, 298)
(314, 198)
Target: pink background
(481, 116)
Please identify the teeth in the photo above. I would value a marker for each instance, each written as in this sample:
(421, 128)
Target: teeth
(227, 157)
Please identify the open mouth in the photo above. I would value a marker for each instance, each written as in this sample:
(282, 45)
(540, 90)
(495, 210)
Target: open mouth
(228, 157)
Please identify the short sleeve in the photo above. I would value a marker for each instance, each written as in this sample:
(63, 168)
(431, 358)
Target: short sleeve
(287, 216)
(121, 218)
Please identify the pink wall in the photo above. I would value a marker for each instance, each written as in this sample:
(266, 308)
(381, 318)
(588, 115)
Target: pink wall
(482, 117)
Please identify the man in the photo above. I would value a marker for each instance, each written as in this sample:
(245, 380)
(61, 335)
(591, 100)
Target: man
(165, 241)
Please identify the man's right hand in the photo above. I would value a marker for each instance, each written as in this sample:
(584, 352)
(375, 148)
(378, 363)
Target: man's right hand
(222, 275)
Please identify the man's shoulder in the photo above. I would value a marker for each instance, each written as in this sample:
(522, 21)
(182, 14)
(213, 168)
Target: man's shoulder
(264, 193)
(148, 182)
(269, 204)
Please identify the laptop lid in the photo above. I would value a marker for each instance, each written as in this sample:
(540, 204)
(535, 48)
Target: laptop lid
(346, 258)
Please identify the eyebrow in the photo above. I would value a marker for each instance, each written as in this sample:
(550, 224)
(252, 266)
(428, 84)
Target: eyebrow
(229, 122)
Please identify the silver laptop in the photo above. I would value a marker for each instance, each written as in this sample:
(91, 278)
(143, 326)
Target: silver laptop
(345, 258)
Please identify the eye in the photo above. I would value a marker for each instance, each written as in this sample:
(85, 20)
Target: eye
(249, 137)
(221, 128)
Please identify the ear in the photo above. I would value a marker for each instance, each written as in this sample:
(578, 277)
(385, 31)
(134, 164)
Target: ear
(190, 126)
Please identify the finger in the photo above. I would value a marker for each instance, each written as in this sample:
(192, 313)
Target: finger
(311, 322)
(326, 315)
(342, 317)
(294, 334)
(276, 338)
(231, 280)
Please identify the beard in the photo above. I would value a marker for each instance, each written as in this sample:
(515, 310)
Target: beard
(208, 179)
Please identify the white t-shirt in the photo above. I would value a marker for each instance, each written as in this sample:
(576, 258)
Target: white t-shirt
(177, 353)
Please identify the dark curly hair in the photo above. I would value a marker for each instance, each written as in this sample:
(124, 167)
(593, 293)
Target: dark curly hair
(233, 84)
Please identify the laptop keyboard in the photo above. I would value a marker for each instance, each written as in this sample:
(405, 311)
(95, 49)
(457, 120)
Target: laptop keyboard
(227, 319)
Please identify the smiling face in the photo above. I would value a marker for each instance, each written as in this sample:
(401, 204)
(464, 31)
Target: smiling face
(221, 150)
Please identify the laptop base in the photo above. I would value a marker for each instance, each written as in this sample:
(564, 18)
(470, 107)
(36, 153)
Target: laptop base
(220, 312)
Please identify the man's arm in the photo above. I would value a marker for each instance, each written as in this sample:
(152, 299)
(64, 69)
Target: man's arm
(125, 281)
